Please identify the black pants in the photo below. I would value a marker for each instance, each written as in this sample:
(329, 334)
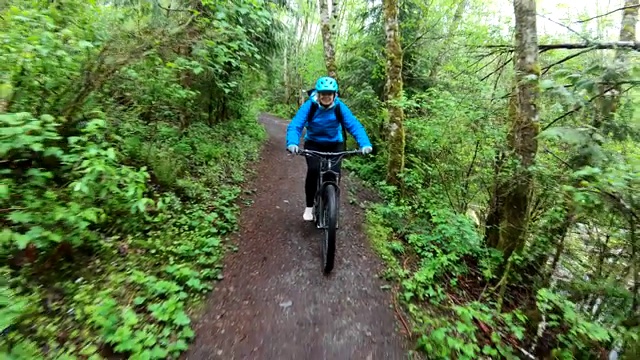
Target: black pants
(313, 167)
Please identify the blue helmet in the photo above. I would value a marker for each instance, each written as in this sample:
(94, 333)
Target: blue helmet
(327, 83)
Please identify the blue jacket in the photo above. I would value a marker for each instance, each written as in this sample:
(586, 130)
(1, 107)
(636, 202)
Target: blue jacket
(324, 126)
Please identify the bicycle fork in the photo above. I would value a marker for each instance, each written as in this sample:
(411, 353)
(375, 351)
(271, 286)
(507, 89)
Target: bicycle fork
(319, 204)
(320, 194)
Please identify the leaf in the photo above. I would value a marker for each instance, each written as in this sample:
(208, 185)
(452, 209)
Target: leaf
(5, 91)
(5, 236)
(574, 136)
(88, 350)
(159, 352)
(181, 319)
(439, 334)
(85, 44)
(20, 217)
(111, 153)
(187, 333)
(180, 345)
(488, 350)
(139, 300)
(21, 240)
(547, 84)
(129, 316)
(586, 84)
(4, 191)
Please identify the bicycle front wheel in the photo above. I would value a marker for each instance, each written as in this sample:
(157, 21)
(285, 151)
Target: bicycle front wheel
(330, 214)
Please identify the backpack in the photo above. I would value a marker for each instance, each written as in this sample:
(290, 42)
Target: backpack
(337, 111)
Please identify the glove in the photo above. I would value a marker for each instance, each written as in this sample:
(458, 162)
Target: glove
(366, 150)
(293, 149)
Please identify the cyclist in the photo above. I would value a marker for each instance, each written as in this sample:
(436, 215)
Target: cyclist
(323, 115)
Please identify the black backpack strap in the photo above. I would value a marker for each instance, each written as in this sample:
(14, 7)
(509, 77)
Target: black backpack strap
(312, 111)
(340, 118)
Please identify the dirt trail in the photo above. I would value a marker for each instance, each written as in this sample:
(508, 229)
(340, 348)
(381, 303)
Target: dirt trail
(274, 302)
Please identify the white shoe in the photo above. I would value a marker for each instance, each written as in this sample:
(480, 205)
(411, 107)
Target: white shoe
(308, 214)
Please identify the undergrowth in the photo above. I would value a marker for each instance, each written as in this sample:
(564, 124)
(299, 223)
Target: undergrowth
(125, 134)
(131, 294)
(448, 286)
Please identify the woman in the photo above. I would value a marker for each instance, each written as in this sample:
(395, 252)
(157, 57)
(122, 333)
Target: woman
(324, 132)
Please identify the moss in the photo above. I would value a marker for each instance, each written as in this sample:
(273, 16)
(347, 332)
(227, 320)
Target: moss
(380, 237)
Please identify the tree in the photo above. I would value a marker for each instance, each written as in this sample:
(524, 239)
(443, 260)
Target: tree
(393, 93)
(507, 219)
(328, 28)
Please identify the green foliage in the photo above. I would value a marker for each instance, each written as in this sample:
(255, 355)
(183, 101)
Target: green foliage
(120, 171)
(462, 338)
(97, 190)
(581, 228)
(578, 334)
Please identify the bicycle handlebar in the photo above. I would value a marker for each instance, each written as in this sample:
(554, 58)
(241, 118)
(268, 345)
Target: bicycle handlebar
(328, 154)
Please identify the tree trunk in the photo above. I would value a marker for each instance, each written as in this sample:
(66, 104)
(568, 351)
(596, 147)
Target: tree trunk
(285, 74)
(393, 93)
(327, 39)
(635, 259)
(335, 21)
(512, 196)
(610, 88)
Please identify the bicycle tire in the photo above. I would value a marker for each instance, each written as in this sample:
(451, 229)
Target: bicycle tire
(330, 214)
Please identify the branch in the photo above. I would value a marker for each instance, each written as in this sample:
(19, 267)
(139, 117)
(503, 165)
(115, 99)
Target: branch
(465, 71)
(567, 58)
(609, 13)
(505, 63)
(617, 201)
(580, 106)
(566, 27)
(614, 45)
(170, 9)
(565, 163)
(181, 28)
(493, 52)
(416, 40)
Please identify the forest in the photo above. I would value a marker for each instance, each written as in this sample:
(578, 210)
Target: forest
(505, 153)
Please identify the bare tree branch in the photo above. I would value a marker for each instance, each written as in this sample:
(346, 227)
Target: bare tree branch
(609, 13)
(567, 58)
(566, 27)
(170, 9)
(580, 106)
(613, 45)
(498, 69)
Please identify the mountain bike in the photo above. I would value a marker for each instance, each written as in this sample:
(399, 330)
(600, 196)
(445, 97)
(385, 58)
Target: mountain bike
(326, 205)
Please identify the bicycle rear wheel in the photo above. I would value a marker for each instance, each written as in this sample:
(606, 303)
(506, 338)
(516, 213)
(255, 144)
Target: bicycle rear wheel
(330, 217)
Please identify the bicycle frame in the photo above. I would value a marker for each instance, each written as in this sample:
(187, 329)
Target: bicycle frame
(327, 161)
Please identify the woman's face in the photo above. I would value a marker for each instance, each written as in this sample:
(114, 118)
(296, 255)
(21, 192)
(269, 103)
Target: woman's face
(326, 98)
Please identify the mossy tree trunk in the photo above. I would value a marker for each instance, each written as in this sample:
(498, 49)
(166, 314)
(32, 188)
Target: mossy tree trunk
(327, 38)
(508, 218)
(393, 93)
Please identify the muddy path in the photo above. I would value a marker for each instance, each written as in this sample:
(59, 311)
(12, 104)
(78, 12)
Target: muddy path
(274, 302)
